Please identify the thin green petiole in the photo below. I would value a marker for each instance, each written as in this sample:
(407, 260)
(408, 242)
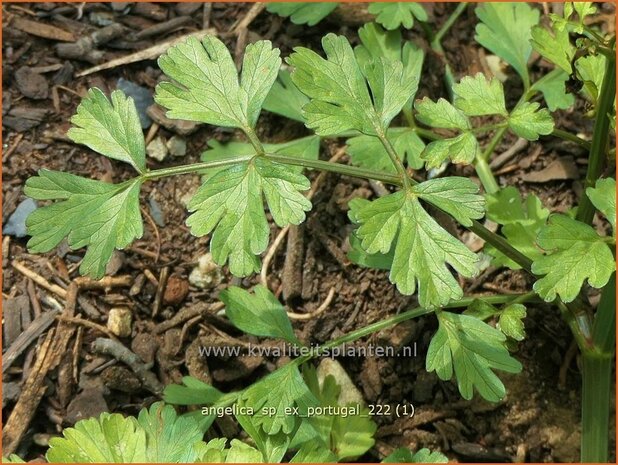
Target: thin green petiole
(392, 154)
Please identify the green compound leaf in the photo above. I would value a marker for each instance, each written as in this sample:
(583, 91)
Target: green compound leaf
(529, 122)
(308, 13)
(575, 253)
(377, 43)
(340, 99)
(555, 46)
(478, 96)
(260, 314)
(510, 322)
(441, 114)
(505, 30)
(603, 196)
(169, 438)
(521, 223)
(460, 149)
(368, 151)
(553, 88)
(110, 128)
(582, 9)
(285, 99)
(284, 388)
(109, 438)
(313, 452)
(392, 15)
(403, 455)
(207, 88)
(590, 70)
(472, 349)
(89, 213)
(215, 452)
(307, 148)
(230, 203)
(347, 436)
(422, 248)
(191, 392)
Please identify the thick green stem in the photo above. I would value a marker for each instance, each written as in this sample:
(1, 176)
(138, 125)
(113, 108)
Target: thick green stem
(487, 178)
(596, 382)
(604, 327)
(600, 140)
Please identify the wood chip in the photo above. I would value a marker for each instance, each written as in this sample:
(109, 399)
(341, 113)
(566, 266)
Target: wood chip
(561, 169)
(150, 53)
(39, 29)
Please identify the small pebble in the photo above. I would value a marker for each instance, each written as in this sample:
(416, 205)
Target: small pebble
(16, 224)
(141, 96)
(176, 291)
(119, 321)
(157, 149)
(177, 146)
(207, 274)
(156, 212)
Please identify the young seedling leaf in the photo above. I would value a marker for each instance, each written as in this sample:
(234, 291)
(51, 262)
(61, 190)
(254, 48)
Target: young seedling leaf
(478, 96)
(576, 253)
(260, 314)
(284, 388)
(553, 88)
(582, 9)
(555, 46)
(505, 30)
(481, 310)
(285, 99)
(591, 69)
(192, 392)
(348, 437)
(307, 148)
(471, 349)
(214, 451)
(527, 121)
(603, 196)
(422, 248)
(89, 213)
(460, 149)
(308, 13)
(441, 114)
(111, 128)
(109, 438)
(207, 88)
(230, 203)
(392, 15)
(314, 452)
(377, 43)
(340, 99)
(510, 322)
(404, 455)
(521, 223)
(169, 438)
(368, 151)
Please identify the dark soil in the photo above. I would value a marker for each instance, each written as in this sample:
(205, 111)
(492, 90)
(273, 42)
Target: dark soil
(537, 422)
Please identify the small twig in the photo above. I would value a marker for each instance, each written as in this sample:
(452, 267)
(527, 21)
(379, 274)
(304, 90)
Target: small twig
(244, 23)
(38, 279)
(187, 313)
(279, 239)
(505, 156)
(85, 283)
(156, 305)
(124, 355)
(323, 306)
(11, 149)
(87, 323)
(153, 225)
